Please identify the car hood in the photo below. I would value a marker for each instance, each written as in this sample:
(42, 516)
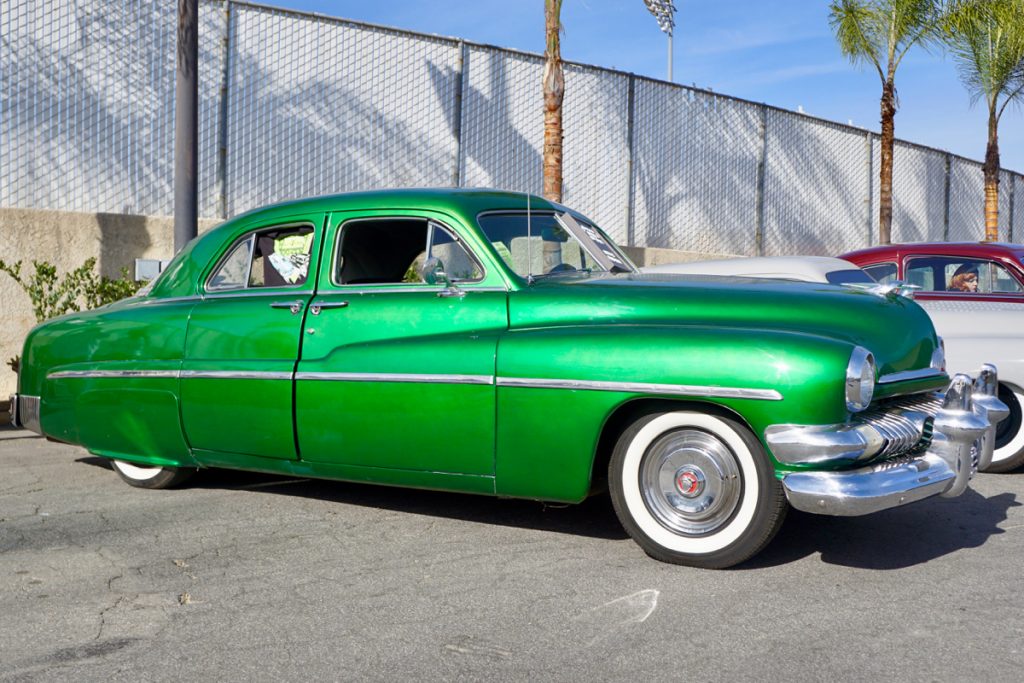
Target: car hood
(895, 329)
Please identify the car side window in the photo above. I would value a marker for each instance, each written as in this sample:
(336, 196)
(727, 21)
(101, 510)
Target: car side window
(393, 250)
(882, 272)
(959, 274)
(1003, 282)
(274, 257)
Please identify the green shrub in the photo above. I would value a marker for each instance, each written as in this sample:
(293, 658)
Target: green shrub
(52, 294)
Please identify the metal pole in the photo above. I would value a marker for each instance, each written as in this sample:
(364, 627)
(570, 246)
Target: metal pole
(1012, 197)
(946, 199)
(869, 164)
(670, 57)
(222, 128)
(762, 159)
(186, 122)
(630, 165)
(460, 93)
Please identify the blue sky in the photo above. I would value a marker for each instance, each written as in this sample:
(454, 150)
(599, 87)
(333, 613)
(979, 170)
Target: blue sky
(773, 51)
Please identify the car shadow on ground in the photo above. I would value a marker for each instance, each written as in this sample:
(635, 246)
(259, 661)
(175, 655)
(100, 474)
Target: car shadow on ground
(593, 518)
(892, 539)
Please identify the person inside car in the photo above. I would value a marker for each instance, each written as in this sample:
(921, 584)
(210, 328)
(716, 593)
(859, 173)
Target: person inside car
(965, 279)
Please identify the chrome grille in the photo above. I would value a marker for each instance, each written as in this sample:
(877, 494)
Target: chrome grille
(905, 424)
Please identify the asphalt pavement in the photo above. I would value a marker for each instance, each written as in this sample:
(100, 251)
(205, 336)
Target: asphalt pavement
(242, 576)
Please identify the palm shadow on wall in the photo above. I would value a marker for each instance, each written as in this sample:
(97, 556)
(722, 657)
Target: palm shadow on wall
(512, 162)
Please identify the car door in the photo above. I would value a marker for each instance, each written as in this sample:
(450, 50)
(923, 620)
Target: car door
(243, 341)
(396, 373)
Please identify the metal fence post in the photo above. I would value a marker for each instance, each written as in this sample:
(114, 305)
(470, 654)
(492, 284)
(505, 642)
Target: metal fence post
(222, 124)
(186, 124)
(762, 159)
(460, 88)
(630, 166)
(869, 164)
(1011, 196)
(947, 197)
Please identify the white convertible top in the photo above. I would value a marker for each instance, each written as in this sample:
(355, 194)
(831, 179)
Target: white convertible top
(805, 268)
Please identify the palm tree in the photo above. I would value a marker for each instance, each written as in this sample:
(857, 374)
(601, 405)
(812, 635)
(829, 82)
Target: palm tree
(880, 33)
(986, 39)
(554, 90)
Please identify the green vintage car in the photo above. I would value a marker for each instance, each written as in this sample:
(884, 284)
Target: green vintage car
(495, 343)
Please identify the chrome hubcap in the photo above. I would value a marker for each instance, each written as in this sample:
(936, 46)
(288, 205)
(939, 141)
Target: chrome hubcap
(690, 481)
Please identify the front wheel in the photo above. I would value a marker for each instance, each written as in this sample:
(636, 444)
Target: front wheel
(1009, 448)
(147, 477)
(695, 489)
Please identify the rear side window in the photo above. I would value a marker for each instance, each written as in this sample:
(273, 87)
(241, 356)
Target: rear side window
(273, 257)
(852, 275)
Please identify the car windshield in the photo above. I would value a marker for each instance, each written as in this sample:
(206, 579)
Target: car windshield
(546, 244)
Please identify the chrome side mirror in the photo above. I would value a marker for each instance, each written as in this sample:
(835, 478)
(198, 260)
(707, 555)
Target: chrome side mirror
(433, 273)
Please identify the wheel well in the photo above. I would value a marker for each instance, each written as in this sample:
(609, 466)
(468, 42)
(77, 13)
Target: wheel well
(630, 411)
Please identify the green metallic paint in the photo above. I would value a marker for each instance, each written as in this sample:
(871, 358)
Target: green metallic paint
(482, 438)
(439, 481)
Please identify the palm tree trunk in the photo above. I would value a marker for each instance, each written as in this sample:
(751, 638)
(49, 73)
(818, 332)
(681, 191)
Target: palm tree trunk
(885, 172)
(554, 89)
(991, 170)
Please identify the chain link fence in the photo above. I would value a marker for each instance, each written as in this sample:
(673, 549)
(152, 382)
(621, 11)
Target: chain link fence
(294, 104)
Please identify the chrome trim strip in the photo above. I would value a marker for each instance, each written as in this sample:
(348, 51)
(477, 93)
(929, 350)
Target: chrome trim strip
(394, 377)
(906, 375)
(644, 387)
(170, 374)
(404, 289)
(150, 301)
(248, 293)
(92, 374)
(234, 374)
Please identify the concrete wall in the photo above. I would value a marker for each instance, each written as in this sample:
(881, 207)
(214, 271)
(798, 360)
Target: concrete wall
(66, 240)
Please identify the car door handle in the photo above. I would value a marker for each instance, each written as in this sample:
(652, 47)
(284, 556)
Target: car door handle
(293, 306)
(323, 305)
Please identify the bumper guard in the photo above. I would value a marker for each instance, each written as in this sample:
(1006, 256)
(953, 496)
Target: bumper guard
(962, 441)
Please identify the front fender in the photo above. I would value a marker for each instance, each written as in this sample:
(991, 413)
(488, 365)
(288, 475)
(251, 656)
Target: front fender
(557, 387)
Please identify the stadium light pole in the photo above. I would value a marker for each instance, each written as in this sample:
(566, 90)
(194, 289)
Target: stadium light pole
(664, 12)
(186, 120)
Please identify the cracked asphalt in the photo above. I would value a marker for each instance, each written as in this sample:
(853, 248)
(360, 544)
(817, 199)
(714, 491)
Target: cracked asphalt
(255, 577)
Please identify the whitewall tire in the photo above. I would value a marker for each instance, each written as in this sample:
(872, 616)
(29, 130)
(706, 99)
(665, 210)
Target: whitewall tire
(695, 488)
(147, 477)
(1009, 450)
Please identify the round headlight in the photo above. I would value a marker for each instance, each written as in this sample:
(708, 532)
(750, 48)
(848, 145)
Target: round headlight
(939, 356)
(860, 380)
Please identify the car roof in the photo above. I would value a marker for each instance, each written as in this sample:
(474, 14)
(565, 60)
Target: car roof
(468, 199)
(990, 249)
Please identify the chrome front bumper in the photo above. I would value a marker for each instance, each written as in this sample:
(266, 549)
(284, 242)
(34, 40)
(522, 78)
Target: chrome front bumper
(25, 413)
(925, 447)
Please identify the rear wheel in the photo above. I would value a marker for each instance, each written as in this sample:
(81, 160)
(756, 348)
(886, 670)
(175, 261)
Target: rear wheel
(1009, 450)
(146, 477)
(696, 489)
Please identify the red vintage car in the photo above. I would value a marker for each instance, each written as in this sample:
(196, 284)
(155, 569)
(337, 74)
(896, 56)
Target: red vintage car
(960, 271)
